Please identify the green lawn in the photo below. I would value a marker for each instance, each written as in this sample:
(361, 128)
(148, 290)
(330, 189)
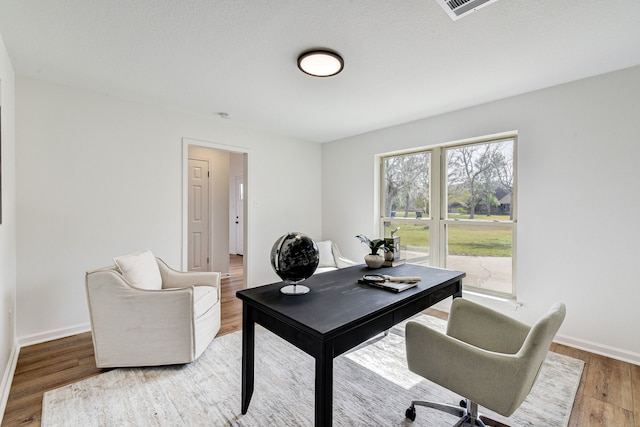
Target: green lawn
(464, 238)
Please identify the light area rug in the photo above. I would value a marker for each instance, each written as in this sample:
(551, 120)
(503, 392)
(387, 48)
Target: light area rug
(372, 387)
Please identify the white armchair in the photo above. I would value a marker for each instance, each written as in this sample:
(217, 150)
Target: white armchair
(143, 313)
(331, 258)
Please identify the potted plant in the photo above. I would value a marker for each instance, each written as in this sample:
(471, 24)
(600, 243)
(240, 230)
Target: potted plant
(373, 260)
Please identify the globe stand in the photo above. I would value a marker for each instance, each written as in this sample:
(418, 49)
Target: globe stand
(294, 289)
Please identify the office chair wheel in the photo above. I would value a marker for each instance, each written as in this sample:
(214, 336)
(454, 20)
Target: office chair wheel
(411, 413)
(463, 403)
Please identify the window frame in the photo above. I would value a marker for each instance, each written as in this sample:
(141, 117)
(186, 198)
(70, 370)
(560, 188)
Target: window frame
(438, 219)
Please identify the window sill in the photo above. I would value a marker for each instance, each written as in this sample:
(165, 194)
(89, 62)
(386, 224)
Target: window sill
(501, 303)
(498, 303)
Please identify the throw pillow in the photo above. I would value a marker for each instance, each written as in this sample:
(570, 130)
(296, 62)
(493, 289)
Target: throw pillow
(140, 270)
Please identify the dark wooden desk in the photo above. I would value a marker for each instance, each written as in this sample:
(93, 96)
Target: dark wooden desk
(335, 316)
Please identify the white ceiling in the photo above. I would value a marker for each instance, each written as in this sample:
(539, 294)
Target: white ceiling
(404, 59)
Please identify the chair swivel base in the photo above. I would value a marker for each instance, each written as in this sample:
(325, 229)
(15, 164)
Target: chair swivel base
(468, 411)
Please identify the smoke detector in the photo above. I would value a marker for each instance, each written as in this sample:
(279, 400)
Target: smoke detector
(456, 9)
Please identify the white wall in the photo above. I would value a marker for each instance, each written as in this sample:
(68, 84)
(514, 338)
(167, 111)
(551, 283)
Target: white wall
(579, 169)
(8, 345)
(99, 177)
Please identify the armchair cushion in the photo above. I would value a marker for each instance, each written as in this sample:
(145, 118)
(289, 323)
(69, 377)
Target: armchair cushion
(140, 270)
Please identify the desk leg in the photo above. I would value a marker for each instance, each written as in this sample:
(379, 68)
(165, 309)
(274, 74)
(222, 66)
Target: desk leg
(459, 293)
(248, 344)
(324, 386)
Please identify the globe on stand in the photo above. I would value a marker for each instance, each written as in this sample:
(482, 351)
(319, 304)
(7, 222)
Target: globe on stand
(294, 257)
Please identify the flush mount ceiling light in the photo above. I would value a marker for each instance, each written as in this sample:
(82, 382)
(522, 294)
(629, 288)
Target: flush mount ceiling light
(320, 63)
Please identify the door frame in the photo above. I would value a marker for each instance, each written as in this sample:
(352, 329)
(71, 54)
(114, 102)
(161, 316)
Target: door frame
(246, 238)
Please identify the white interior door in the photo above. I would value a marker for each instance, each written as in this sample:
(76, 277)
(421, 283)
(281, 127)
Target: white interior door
(239, 215)
(199, 217)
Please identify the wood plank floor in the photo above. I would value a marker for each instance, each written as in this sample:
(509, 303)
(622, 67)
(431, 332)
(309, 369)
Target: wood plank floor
(609, 392)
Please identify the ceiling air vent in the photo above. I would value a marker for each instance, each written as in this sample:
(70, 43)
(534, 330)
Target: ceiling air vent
(456, 9)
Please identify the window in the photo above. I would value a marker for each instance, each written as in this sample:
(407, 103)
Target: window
(454, 207)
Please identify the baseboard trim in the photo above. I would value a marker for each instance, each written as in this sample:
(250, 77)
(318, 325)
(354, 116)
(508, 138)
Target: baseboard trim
(7, 379)
(601, 349)
(53, 335)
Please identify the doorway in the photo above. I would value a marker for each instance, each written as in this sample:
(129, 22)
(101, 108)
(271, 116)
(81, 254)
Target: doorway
(223, 216)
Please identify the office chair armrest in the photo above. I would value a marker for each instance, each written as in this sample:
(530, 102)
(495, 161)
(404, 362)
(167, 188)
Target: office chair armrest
(467, 370)
(485, 328)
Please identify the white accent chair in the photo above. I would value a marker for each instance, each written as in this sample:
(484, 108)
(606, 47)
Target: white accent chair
(331, 258)
(488, 358)
(144, 313)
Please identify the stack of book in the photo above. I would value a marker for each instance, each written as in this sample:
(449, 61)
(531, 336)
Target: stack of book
(393, 263)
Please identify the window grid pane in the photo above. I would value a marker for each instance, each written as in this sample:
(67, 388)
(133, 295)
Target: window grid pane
(484, 252)
(406, 185)
(414, 240)
(480, 181)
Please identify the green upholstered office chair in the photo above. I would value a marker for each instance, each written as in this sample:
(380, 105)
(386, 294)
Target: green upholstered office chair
(488, 358)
